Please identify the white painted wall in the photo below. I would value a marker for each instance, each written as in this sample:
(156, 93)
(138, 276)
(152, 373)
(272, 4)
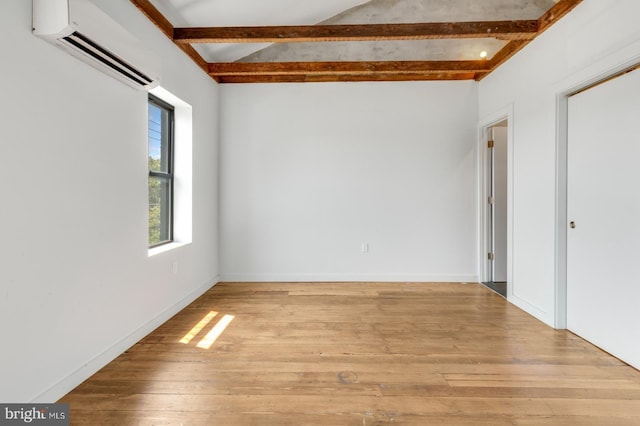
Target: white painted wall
(595, 38)
(309, 172)
(76, 284)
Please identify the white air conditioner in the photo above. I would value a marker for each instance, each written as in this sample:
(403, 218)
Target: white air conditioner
(85, 31)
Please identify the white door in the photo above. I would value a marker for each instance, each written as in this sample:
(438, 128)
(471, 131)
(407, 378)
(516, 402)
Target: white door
(603, 243)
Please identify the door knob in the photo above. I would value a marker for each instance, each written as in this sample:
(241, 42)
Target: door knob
(572, 225)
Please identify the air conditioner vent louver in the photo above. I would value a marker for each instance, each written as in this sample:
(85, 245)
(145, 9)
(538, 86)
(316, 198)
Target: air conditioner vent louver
(88, 33)
(107, 58)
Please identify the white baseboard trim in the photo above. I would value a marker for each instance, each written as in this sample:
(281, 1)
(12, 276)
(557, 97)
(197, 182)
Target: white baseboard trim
(71, 381)
(532, 310)
(348, 278)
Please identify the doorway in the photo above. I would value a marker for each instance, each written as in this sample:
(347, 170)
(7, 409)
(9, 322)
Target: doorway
(496, 207)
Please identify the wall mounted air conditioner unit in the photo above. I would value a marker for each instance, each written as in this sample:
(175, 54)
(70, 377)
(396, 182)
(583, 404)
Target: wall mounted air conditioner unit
(85, 31)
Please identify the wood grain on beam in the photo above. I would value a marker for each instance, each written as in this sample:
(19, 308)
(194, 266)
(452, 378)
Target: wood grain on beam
(518, 34)
(502, 56)
(509, 30)
(350, 68)
(154, 15)
(552, 16)
(195, 56)
(556, 13)
(322, 78)
(506, 52)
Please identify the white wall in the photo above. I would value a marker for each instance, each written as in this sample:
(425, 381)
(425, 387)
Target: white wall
(76, 284)
(309, 172)
(594, 39)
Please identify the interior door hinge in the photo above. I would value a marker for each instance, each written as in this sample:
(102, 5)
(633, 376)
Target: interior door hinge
(490, 200)
(491, 256)
(489, 144)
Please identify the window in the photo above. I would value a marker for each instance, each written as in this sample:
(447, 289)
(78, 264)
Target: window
(170, 164)
(161, 136)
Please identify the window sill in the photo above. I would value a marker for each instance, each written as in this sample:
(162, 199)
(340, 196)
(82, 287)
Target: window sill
(165, 247)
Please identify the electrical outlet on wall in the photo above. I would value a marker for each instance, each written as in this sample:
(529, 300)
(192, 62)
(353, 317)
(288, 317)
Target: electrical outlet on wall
(364, 247)
(174, 267)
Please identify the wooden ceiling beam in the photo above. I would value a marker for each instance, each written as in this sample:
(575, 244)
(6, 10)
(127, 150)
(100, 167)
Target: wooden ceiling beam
(246, 69)
(553, 15)
(517, 33)
(322, 78)
(557, 12)
(506, 52)
(160, 21)
(155, 16)
(507, 30)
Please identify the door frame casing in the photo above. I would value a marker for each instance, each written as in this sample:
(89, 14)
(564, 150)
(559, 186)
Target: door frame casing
(484, 126)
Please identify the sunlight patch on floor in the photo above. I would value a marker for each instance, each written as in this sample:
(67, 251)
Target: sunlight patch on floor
(215, 332)
(195, 330)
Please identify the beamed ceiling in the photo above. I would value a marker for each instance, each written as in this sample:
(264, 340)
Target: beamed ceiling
(259, 41)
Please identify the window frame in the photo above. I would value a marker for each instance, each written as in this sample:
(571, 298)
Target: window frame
(168, 176)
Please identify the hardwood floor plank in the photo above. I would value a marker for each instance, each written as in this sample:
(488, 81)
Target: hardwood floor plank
(308, 404)
(361, 354)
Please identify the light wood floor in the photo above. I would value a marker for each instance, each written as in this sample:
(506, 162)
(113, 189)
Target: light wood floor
(360, 354)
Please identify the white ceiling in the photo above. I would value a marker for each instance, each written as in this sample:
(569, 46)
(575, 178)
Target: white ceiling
(228, 13)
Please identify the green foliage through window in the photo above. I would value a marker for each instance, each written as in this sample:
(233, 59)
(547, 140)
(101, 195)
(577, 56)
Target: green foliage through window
(160, 172)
